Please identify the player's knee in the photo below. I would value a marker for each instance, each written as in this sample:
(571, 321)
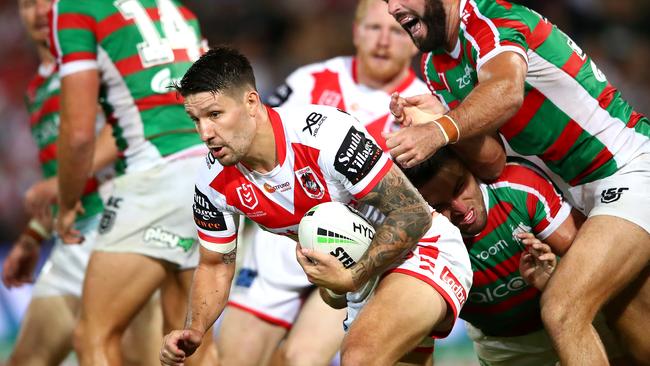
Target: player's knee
(298, 355)
(361, 352)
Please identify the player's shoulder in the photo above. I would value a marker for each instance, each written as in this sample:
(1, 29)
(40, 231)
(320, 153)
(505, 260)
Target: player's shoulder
(309, 119)
(416, 87)
(518, 176)
(88, 8)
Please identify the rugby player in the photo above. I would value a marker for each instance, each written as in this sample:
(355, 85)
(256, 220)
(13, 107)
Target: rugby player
(272, 296)
(497, 66)
(252, 145)
(510, 226)
(128, 53)
(57, 291)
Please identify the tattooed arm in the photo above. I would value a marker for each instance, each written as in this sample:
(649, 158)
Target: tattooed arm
(407, 219)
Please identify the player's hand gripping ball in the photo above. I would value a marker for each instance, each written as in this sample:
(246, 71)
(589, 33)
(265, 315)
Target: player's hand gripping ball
(338, 229)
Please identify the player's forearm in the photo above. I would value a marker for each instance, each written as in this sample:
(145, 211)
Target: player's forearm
(487, 107)
(74, 165)
(407, 219)
(79, 93)
(209, 295)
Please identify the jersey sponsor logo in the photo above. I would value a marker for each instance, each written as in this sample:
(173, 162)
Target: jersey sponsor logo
(357, 156)
(612, 194)
(520, 229)
(330, 97)
(282, 93)
(492, 250)
(448, 277)
(247, 196)
(279, 187)
(490, 295)
(161, 81)
(466, 79)
(206, 216)
(313, 122)
(310, 183)
(168, 239)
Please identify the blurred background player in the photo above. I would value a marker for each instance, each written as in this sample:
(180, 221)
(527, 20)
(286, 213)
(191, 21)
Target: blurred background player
(57, 293)
(503, 224)
(272, 295)
(530, 74)
(129, 53)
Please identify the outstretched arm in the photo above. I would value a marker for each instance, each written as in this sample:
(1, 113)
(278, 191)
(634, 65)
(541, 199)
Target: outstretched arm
(496, 98)
(75, 147)
(208, 297)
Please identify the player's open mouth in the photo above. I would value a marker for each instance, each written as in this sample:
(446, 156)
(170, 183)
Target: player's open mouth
(217, 151)
(411, 24)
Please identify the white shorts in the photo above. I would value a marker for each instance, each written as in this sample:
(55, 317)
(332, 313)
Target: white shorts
(440, 260)
(270, 284)
(150, 213)
(625, 194)
(63, 272)
(533, 349)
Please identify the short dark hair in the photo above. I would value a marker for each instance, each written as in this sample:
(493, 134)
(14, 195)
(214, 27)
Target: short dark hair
(420, 174)
(220, 70)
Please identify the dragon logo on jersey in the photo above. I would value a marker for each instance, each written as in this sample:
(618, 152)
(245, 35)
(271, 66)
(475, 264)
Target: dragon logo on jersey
(356, 156)
(247, 196)
(310, 183)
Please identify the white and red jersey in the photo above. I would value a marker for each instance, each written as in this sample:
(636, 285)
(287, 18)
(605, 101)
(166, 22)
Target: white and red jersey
(334, 82)
(324, 155)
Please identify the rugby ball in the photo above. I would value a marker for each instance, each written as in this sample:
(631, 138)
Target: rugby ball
(337, 229)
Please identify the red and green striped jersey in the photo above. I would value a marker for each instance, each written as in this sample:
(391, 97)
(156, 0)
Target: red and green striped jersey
(571, 117)
(500, 303)
(42, 99)
(140, 47)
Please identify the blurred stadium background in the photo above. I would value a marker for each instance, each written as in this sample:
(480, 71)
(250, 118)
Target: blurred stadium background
(278, 36)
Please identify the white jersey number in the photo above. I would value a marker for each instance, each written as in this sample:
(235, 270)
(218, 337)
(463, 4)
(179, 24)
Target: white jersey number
(177, 34)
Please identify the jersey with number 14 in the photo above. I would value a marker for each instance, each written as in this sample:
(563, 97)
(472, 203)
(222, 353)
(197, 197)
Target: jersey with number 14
(323, 155)
(500, 303)
(140, 47)
(571, 117)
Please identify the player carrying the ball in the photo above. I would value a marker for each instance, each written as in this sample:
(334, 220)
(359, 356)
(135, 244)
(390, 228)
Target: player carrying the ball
(250, 145)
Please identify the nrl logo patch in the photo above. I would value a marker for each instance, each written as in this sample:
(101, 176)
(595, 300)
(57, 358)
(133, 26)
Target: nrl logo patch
(247, 196)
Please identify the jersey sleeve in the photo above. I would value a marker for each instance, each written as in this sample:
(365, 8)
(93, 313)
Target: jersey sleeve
(543, 204)
(493, 27)
(350, 156)
(73, 38)
(215, 224)
(296, 90)
(436, 84)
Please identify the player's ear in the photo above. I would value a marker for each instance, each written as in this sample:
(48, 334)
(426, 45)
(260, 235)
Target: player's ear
(252, 101)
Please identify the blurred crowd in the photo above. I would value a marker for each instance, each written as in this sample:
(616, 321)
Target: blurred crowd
(280, 35)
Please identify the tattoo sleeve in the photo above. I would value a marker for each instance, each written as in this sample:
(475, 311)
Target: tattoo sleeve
(407, 220)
